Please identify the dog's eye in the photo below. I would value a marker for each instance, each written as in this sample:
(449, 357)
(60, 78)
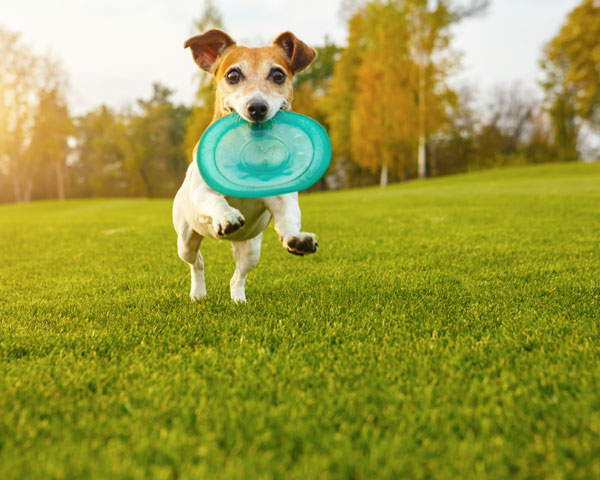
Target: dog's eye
(233, 76)
(277, 76)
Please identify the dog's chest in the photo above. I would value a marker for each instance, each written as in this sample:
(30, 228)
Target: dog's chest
(251, 208)
(255, 213)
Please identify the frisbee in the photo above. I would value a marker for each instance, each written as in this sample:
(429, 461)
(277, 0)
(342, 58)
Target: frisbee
(287, 153)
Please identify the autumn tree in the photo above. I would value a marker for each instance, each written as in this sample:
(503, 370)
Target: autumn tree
(98, 169)
(340, 100)
(154, 159)
(16, 112)
(571, 63)
(391, 81)
(204, 102)
(312, 85)
(49, 137)
(34, 120)
(373, 100)
(509, 128)
(381, 125)
(429, 24)
(137, 151)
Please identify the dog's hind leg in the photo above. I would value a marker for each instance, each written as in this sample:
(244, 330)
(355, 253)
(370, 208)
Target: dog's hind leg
(188, 248)
(246, 258)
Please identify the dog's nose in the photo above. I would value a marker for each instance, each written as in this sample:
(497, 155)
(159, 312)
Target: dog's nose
(258, 110)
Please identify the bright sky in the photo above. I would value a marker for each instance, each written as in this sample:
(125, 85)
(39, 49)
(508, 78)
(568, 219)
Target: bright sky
(114, 49)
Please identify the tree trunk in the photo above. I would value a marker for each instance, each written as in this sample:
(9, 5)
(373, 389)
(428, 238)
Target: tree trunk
(383, 179)
(422, 154)
(60, 180)
(21, 189)
(16, 187)
(146, 182)
(422, 157)
(28, 189)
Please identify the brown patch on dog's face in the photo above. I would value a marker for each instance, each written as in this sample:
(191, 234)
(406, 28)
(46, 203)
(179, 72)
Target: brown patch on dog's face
(254, 57)
(254, 82)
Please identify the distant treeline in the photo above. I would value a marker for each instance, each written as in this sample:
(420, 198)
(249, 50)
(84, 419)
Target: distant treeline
(384, 99)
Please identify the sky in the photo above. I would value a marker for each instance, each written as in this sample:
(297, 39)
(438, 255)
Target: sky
(113, 50)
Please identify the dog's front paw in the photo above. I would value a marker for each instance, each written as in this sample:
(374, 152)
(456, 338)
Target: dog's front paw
(231, 221)
(301, 244)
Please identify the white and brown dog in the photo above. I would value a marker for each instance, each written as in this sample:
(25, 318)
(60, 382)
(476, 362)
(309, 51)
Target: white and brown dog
(256, 83)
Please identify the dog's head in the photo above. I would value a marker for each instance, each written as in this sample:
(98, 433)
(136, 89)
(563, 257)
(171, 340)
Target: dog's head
(254, 82)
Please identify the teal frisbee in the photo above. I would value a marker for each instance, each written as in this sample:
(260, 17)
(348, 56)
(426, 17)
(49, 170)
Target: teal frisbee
(287, 153)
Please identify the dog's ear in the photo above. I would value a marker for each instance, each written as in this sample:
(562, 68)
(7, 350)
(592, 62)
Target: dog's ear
(299, 54)
(206, 48)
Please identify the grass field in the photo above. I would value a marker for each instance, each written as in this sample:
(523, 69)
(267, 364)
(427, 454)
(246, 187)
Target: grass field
(445, 329)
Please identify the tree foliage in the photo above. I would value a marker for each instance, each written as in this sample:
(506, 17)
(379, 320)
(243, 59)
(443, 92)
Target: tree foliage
(152, 145)
(98, 170)
(571, 63)
(34, 119)
(49, 139)
(384, 99)
(511, 129)
(139, 152)
(340, 99)
(389, 92)
(311, 85)
(204, 102)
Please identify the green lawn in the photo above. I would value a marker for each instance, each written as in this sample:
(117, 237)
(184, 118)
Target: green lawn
(445, 329)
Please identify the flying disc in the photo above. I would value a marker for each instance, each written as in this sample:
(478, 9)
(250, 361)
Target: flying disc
(287, 153)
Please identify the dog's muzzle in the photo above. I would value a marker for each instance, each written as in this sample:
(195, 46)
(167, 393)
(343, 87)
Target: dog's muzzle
(257, 110)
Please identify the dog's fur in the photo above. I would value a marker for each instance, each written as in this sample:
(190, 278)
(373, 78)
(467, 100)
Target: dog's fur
(198, 210)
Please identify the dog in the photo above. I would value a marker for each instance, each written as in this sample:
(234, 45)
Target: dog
(256, 83)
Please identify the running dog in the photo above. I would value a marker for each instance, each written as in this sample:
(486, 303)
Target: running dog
(256, 83)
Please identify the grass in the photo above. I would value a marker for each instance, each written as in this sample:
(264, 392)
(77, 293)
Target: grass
(445, 329)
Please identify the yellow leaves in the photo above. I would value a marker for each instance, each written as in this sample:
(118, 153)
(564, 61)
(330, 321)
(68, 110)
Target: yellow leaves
(388, 87)
(308, 101)
(383, 118)
(339, 102)
(572, 60)
(199, 119)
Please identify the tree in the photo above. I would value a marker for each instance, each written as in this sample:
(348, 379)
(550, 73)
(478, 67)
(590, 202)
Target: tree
(507, 127)
(319, 73)
(99, 169)
(16, 112)
(311, 87)
(340, 100)
(511, 129)
(393, 74)
(571, 63)
(382, 127)
(137, 152)
(430, 39)
(454, 148)
(34, 119)
(53, 126)
(152, 144)
(203, 108)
